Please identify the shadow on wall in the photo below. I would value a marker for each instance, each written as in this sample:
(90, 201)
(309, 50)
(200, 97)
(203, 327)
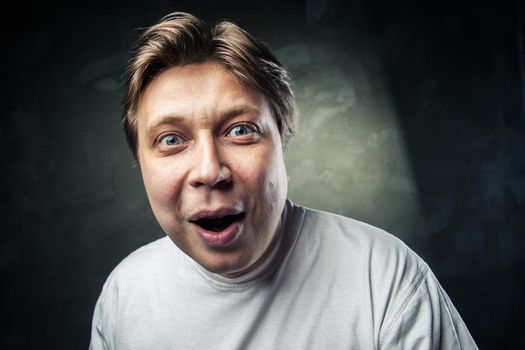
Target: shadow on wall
(455, 79)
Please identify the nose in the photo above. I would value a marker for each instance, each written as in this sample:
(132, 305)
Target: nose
(209, 170)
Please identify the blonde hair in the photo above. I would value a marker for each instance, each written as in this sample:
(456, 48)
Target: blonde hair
(180, 38)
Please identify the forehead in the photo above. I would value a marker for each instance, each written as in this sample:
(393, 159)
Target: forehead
(199, 89)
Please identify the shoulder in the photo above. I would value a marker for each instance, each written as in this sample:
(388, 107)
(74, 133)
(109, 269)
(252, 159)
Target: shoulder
(391, 276)
(360, 240)
(145, 256)
(126, 285)
(388, 271)
(148, 253)
(145, 263)
(149, 267)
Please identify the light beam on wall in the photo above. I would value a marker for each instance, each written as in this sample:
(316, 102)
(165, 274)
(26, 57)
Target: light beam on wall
(348, 156)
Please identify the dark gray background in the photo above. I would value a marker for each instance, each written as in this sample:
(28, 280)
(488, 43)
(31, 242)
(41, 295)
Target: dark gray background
(412, 120)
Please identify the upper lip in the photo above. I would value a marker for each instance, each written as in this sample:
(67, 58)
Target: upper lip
(214, 214)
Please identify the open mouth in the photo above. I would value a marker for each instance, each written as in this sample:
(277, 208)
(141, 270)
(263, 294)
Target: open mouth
(218, 224)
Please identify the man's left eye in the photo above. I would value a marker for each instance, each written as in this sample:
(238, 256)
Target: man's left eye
(241, 130)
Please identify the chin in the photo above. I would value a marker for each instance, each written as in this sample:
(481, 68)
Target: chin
(225, 264)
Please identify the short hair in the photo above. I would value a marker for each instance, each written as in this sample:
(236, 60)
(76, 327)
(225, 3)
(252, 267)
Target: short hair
(180, 38)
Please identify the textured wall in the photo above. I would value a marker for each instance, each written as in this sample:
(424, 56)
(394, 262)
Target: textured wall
(412, 119)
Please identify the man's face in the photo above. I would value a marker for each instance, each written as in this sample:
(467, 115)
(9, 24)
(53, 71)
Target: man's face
(212, 162)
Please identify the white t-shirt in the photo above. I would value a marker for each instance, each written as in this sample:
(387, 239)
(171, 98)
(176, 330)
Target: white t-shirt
(331, 283)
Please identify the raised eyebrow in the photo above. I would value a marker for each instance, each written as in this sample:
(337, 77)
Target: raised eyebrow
(226, 114)
(165, 120)
(234, 111)
(169, 119)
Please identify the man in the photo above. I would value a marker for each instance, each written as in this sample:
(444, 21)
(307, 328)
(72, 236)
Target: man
(207, 115)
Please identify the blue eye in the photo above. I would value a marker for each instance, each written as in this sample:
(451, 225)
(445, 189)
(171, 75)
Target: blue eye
(171, 140)
(241, 130)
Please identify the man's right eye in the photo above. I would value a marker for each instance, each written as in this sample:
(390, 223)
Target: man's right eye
(170, 140)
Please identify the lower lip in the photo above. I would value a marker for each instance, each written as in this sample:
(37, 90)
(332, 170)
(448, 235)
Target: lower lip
(218, 239)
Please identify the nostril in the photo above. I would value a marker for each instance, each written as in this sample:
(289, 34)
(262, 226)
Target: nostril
(223, 184)
(220, 184)
(219, 177)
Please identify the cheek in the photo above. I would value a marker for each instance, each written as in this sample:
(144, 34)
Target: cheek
(266, 176)
(162, 182)
(277, 182)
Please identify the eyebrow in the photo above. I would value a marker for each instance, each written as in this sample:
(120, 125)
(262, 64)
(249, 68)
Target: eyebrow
(226, 114)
